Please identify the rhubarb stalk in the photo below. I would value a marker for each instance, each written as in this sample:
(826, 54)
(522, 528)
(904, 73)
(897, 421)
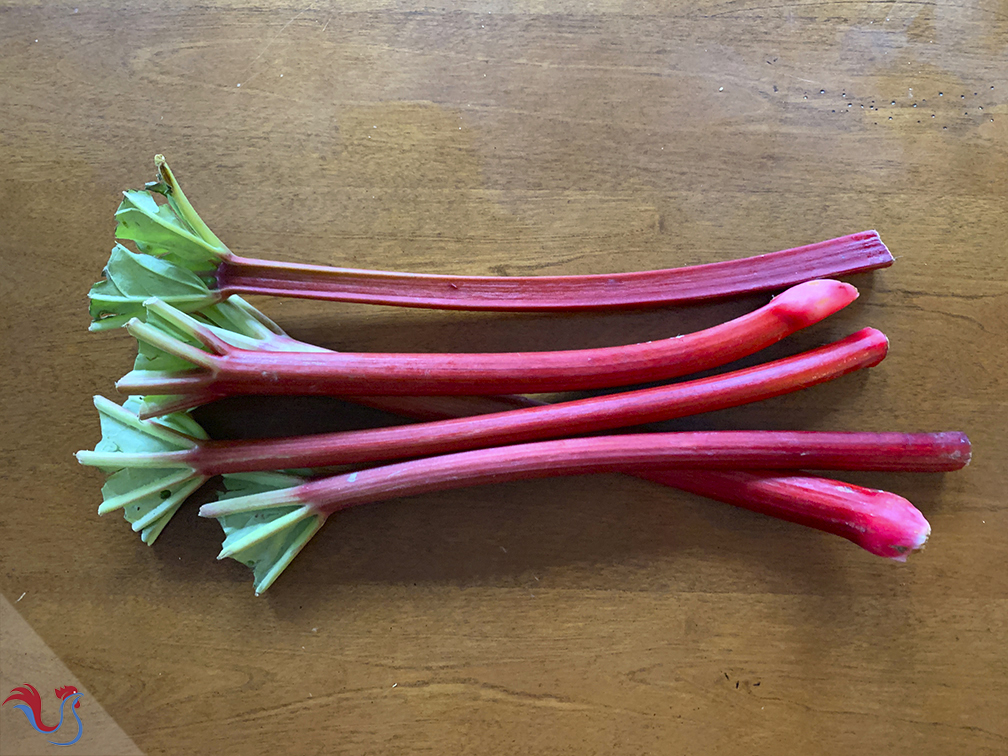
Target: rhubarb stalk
(201, 271)
(267, 527)
(205, 366)
(834, 258)
(880, 522)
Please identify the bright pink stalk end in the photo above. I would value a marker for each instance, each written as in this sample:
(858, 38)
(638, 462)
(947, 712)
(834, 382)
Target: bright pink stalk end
(811, 302)
(878, 521)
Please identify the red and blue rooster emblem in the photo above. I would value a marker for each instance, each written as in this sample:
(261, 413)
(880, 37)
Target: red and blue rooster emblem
(31, 707)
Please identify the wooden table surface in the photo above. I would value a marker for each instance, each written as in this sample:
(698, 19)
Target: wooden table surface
(583, 615)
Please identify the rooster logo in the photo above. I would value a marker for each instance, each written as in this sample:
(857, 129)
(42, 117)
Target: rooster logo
(31, 705)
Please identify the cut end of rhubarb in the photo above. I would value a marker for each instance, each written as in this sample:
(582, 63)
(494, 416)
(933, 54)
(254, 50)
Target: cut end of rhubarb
(892, 527)
(887, 253)
(874, 241)
(810, 302)
(902, 552)
(961, 450)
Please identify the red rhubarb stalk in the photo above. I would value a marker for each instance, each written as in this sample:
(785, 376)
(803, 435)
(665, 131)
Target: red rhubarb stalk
(878, 521)
(232, 274)
(268, 518)
(726, 450)
(230, 370)
(273, 526)
(777, 270)
(315, 500)
(207, 457)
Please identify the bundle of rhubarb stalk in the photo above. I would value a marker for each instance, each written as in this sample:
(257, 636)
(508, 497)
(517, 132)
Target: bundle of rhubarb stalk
(177, 289)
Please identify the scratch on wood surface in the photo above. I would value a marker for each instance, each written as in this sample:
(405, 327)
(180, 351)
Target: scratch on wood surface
(274, 39)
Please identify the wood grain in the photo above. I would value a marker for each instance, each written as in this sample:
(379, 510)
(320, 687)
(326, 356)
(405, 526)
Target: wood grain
(588, 615)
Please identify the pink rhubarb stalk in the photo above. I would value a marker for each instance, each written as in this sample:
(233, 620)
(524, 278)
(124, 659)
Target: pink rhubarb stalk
(275, 518)
(316, 500)
(878, 521)
(725, 450)
(232, 274)
(207, 457)
(228, 370)
(777, 270)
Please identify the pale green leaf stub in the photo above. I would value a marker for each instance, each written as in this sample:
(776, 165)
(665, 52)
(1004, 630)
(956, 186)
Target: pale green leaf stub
(109, 307)
(132, 278)
(237, 315)
(130, 479)
(168, 349)
(162, 233)
(228, 318)
(148, 496)
(182, 422)
(146, 276)
(268, 557)
(150, 357)
(165, 191)
(137, 436)
(168, 185)
(150, 533)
